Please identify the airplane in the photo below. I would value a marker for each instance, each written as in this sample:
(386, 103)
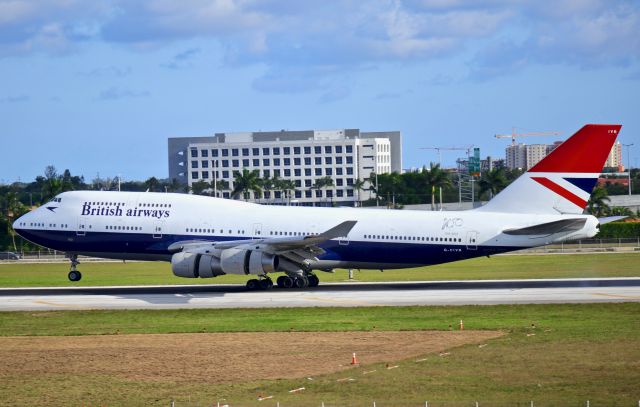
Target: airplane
(205, 237)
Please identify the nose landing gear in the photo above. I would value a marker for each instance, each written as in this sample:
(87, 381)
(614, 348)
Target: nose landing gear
(74, 274)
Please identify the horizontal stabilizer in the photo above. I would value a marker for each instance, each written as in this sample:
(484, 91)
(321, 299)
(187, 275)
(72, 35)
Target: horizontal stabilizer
(549, 228)
(609, 219)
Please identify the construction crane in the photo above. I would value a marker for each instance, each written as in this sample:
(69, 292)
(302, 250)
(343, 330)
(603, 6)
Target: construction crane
(513, 134)
(439, 150)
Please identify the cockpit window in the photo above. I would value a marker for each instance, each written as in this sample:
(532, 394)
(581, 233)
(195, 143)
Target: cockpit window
(56, 200)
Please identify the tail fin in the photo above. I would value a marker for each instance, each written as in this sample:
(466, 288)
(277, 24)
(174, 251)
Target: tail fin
(562, 182)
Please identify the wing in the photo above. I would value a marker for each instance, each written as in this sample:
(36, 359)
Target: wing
(296, 250)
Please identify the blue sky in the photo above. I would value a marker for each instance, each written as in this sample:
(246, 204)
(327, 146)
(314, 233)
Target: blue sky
(99, 86)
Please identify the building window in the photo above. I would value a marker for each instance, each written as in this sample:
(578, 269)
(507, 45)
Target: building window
(236, 163)
(245, 163)
(204, 153)
(349, 149)
(338, 149)
(349, 181)
(276, 162)
(255, 151)
(296, 150)
(327, 149)
(318, 171)
(276, 150)
(194, 164)
(214, 153)
(317, 150)
(339, 171)
(194, 152)
(205, 164)
(349, 171)
(328, 160)
(265, 151)
(266, 162)
(296, 161)
(329, 193)
(225, 163)
(287, 161)
(307, 183)
(338, 160)
(328, 171)
(194, 174)
(298, 194)
(225, 174)
(287, 172)
(276, 173)
(307, 172)
(267, 173)
(205, 174)
(286, 150)
(307, 150)
(318, 193)
(339, 182)
(349, 192)
(256, 162)
(297, 172)
(235, 152)
(307, 161)
(307, 194)
(225, 152)
(245, 152)
(318, 160)
(349, 159)
(298, 183)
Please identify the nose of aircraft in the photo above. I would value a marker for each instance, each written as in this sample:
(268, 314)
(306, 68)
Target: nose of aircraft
(19, 223)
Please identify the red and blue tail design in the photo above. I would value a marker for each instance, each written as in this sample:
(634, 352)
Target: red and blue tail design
(562, 182)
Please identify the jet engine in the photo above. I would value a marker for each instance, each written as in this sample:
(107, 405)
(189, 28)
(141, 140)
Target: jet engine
(192, 265)
(228, 261)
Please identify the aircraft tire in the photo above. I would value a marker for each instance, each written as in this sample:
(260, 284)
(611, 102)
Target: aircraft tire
(253, 284)
(313, 280)
(301, 282)
(75, 275)
(280, 281)
(265, 284)
(287, 282)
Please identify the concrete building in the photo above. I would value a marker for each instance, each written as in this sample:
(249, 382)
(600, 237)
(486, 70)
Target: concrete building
(525, 156)
(614, 160)
(345, 155)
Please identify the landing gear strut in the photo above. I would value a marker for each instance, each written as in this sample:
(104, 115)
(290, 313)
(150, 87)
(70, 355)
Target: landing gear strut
(74, 274)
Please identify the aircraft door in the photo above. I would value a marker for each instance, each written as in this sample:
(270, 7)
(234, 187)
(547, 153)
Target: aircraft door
(157, 229)
(257, 230)
(472, 237)
(82, 227)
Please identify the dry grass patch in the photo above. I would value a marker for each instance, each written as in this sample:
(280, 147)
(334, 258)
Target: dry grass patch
(219, 357)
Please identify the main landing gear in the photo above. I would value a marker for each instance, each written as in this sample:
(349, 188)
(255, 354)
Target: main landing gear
(74, 274)
(286, 281)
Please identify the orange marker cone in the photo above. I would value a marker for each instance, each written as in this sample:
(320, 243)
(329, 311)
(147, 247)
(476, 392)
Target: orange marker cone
(461, 326)
(354, 359)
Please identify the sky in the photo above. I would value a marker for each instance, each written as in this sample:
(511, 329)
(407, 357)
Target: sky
(98, 86)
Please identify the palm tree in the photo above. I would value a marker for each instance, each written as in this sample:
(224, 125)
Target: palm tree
(220, 185)
(244, 182)
(493, 182)
(358, 185)
(596, 204)
(287, 186)
(435, 177)
(152, 184)
(13, 210)
(323, 182)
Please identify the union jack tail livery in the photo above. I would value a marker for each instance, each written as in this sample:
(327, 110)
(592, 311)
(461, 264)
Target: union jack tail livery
(562, 182)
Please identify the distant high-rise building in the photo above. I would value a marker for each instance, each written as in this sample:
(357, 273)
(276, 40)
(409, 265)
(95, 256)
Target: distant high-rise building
(516, 156)
(614, 160)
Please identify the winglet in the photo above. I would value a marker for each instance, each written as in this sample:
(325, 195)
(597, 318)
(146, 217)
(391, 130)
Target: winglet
(340, 230)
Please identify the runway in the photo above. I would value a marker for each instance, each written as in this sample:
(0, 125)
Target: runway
(351, 294)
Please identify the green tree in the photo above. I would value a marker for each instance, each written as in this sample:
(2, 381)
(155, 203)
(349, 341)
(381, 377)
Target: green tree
(492, 182)
(436, 178)
(597, 204)
(244, 182)
(12, 210)
(199, 187)
(321, 183)
(358, 185)
(152, 184)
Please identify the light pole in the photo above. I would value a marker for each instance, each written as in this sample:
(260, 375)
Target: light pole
(628, 165)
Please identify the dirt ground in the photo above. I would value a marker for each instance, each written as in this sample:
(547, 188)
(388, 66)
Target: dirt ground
(221, 357)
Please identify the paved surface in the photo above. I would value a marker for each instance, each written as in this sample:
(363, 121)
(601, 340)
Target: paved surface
(331, 295)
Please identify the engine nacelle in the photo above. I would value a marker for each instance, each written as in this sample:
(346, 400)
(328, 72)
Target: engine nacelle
(191, 265)
(245, 261)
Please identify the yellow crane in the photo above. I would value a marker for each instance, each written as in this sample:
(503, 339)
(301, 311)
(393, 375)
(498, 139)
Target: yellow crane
(513, 134)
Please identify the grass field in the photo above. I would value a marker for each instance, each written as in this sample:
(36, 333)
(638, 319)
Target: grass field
(577, 353)
(496, 267)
